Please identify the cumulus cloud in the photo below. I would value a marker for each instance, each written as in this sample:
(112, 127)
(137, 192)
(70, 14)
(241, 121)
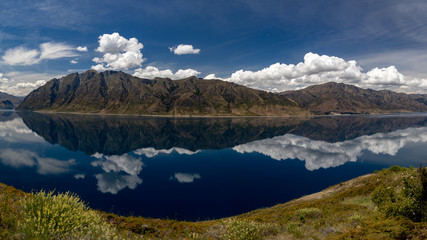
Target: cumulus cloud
(81, 49)
(182, 49)
(185, 177)
(119, 53)
(318, 69)
(23, 88)
(320, 154)
(151, 152)
(211, 76)
(49, 50)
(22, 83)
(151, 72)
(74, 62)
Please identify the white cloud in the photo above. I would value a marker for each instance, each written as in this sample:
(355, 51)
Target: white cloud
(74, 62)
(81, 49)
(151, 72)
(320, 154)
(211, 76)
(318, 69)
(52, 50)
(184, 49)
(47, 51)
(21, 56)
(151, 152)
(3, 79)
(186, 177)
(22, 88)
(22, 83)
(119, 53)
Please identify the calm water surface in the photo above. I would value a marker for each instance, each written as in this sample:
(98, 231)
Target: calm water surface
(199, 168)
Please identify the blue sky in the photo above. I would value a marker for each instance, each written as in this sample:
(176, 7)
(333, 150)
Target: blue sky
(271, 45)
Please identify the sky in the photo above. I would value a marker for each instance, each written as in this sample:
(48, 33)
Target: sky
(272, 45)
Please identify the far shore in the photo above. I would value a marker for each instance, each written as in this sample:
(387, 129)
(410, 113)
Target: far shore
(224, 116)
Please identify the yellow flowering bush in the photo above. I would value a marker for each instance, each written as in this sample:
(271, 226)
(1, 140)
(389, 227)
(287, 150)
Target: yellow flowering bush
(61, 216)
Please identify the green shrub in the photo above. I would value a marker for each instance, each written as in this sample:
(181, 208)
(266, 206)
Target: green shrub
(295, 229)
(62, 216)
(308, 213)
(410, 201)
(243, 229)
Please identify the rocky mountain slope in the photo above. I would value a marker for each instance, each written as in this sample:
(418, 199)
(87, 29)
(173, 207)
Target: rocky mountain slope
(118, 92)
(333, 97)
(8, 101)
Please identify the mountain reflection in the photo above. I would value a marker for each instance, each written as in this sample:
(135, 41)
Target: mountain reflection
(149, 136)
(116, 135)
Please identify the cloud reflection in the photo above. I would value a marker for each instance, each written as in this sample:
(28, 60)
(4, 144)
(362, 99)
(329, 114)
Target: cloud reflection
(121, 171)
(18, 158)
(320, 154)
(113, 182)
(185, 177)
(151, 152)
(16, 131)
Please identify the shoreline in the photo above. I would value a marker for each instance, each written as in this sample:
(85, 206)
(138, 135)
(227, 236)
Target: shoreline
(401, 113)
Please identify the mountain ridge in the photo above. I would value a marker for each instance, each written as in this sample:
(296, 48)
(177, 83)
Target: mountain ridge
(340, 98)
(113, 92)
(118, 92)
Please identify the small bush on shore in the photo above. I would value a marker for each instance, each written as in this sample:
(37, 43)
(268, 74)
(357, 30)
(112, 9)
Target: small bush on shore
(62, 216)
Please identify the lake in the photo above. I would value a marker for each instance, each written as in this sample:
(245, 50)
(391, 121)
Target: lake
(199, 168)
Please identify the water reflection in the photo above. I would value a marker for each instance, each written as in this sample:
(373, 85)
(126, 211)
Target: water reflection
(320, 154)
(199, 168)
(114, 135)
(185, 177)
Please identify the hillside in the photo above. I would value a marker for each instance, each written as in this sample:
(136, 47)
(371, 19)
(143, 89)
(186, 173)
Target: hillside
(121, 93)
(8, 101)
(389, 204)
(341, 98)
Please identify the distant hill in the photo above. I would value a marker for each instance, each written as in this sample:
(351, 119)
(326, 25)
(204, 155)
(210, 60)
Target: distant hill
(8, 101)
(119, 92)
(329, 98)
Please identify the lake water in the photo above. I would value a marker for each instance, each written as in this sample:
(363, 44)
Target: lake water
(199, 168)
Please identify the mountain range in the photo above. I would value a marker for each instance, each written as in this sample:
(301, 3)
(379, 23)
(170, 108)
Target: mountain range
(8, 101)
(120, 93)
(330, 98)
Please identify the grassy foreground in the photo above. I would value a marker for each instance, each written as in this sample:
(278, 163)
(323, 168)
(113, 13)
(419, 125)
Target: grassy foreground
(389, 204)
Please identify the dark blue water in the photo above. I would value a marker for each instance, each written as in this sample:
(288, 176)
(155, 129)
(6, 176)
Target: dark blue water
(199, 168)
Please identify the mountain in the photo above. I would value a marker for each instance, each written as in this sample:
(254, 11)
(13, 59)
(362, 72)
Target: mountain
(8, 101)
(329, 98)
(118, 92)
